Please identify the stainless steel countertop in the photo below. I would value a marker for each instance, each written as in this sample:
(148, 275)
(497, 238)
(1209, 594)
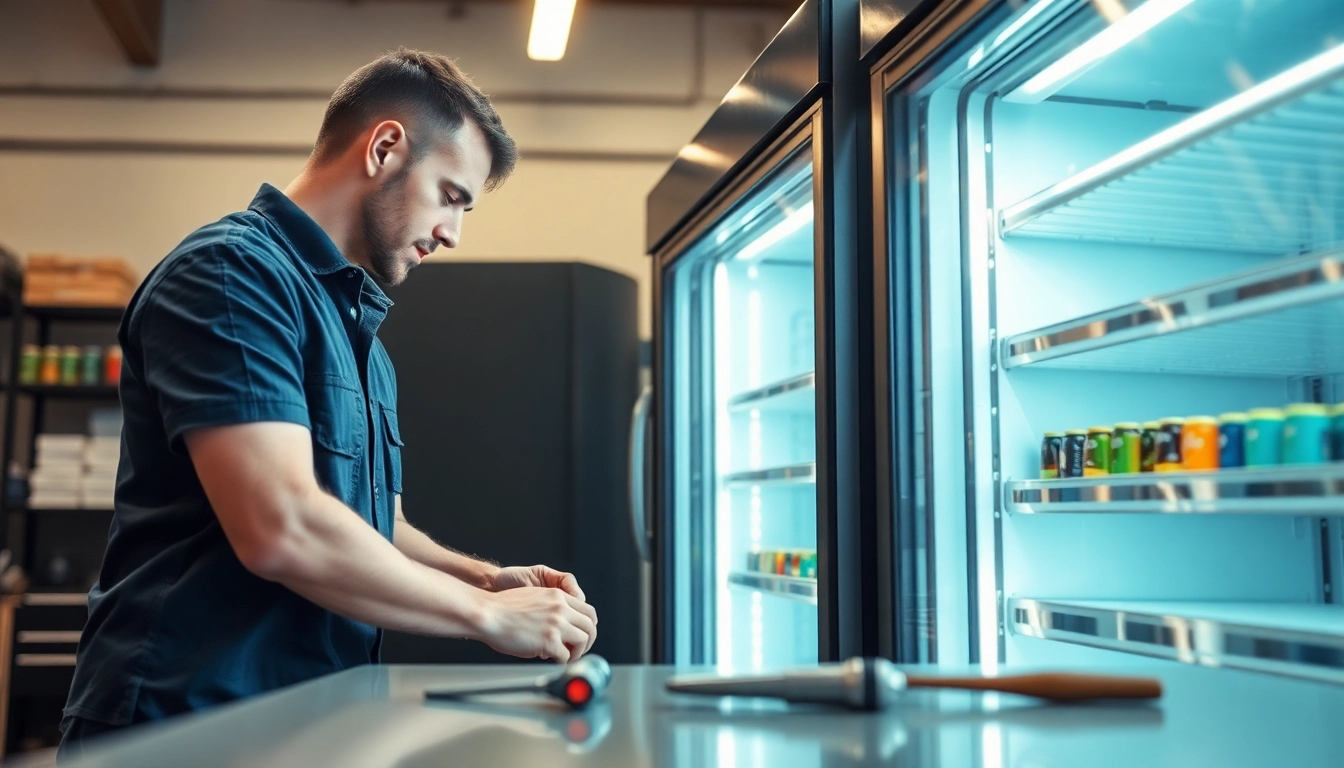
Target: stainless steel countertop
(375, 716)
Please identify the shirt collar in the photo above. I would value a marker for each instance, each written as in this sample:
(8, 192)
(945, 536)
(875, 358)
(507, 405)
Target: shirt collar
(312, 244)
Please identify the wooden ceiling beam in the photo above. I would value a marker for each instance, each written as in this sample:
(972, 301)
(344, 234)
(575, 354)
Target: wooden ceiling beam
(138, 27)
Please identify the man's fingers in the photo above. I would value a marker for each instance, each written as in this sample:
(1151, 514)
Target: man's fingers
(576, 641)
(558, 650)
(571, 585)
(582, 607)
(585, 625)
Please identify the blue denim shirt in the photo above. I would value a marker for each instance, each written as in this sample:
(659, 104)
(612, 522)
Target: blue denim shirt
(257, 317)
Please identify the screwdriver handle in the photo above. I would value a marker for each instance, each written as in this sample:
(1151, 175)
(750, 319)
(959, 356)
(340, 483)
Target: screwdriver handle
(1052, 686)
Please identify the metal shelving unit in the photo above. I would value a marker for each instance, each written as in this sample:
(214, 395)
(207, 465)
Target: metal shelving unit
(1279, 320)
(794, 393)
(795, 473)
(1187, 186)
(73, 391)
(1298, 639)
(791, 587)
(1292, 491)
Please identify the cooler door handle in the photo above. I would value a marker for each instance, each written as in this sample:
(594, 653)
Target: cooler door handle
(639, 428)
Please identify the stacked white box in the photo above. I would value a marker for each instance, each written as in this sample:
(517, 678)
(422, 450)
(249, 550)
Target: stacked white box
(57, 478)
(101, 454)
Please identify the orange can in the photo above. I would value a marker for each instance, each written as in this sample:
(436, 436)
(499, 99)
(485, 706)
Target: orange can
(779, 564)
(1199, 443)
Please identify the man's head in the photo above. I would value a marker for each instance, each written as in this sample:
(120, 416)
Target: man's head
(423, 143)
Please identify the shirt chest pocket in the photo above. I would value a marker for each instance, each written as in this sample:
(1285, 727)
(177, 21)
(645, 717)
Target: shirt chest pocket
(394, 446)
(336, 416)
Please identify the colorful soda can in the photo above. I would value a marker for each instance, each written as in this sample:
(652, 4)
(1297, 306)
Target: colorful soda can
(1168, 448)
(1126, 448)
(810, 566)
(1199, 443)
(91, 365)
(1232, 440)
(1148, 446)
(1097, 459)
(1306, 434)
(1050, 449)
(50, 371)
(112, 365)
(1264, 437)
(70, 357)
(1337, 433)
(779, 563)
(1071, 456)
(30, 362)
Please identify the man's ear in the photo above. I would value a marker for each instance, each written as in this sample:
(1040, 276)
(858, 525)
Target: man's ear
(387, 151)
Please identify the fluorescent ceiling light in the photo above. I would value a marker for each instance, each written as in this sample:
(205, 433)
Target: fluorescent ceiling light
(550, 29)
(791, 223)
(1123, 31)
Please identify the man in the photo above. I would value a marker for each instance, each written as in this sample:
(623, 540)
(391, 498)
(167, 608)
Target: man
(258, 538)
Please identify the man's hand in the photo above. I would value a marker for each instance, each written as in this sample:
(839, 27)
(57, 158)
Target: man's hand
(539, 622)
(535, 576)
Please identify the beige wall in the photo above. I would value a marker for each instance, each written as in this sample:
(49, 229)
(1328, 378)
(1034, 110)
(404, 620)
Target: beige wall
(580, 196)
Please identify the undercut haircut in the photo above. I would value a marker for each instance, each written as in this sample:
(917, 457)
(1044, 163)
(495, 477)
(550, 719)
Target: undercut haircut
(425, 90)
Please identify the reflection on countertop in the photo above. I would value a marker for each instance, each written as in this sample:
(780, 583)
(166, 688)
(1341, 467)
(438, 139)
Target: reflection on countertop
(376, 716)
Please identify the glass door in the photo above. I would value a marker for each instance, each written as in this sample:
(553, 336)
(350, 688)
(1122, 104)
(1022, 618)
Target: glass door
(1115, 235)
(741, 333)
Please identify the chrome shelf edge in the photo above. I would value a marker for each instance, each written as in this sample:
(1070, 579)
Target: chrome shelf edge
(1184, 639)
(793, 384)
(791, 587)
(797, 473)
(1301, 79)
(1294, 283)
(1317, 489)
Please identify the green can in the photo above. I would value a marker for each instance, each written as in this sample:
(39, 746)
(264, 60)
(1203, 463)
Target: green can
(1127, 449)
(70, 358)
(1306, 434)
(30, 360)
(1097, 456)
(91, 367)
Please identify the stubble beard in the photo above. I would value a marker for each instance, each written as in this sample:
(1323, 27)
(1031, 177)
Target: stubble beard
(385, 225)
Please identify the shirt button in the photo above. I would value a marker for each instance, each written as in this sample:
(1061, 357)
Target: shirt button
(354, 313)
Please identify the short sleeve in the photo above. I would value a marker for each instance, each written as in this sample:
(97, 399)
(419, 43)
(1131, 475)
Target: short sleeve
(219, 337)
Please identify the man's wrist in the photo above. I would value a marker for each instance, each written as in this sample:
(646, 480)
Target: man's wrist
(487, 573)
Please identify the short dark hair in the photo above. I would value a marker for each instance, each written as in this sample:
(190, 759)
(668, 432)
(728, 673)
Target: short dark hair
(426, 89)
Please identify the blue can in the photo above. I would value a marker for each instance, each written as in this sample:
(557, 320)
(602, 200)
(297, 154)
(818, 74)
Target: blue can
(1232, 440)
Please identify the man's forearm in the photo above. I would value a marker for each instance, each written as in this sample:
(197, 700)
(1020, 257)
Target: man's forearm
(419, 547)
(336, 560)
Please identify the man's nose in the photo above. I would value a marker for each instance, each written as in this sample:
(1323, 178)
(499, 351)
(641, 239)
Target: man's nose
(446, 235)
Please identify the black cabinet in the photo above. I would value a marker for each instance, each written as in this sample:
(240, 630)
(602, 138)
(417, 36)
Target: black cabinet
(516, 383)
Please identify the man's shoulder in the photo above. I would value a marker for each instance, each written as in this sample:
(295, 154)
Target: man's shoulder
(241, 244)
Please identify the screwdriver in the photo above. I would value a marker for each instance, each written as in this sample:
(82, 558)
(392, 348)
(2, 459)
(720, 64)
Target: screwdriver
(577, 685)
(873, 684)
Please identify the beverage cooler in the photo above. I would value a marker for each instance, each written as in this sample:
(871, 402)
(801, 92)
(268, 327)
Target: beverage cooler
(1109, 292)
(741, 440)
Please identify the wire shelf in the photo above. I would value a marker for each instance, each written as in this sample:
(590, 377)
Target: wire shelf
(793, 474)
(792, 587)
(1297, 639)
(1262, 172)
(1288, 490)
(793, 393)
(1280, 320)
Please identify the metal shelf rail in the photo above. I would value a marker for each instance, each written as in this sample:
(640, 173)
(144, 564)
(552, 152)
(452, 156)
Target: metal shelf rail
(1289, 490)
(1297, 639)
(795, 473)
(792, 587)
(1259, 172)
(779, 393)
(1278, 320)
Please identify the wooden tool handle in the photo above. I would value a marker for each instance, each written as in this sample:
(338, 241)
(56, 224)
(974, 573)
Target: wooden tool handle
(1054, 686)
